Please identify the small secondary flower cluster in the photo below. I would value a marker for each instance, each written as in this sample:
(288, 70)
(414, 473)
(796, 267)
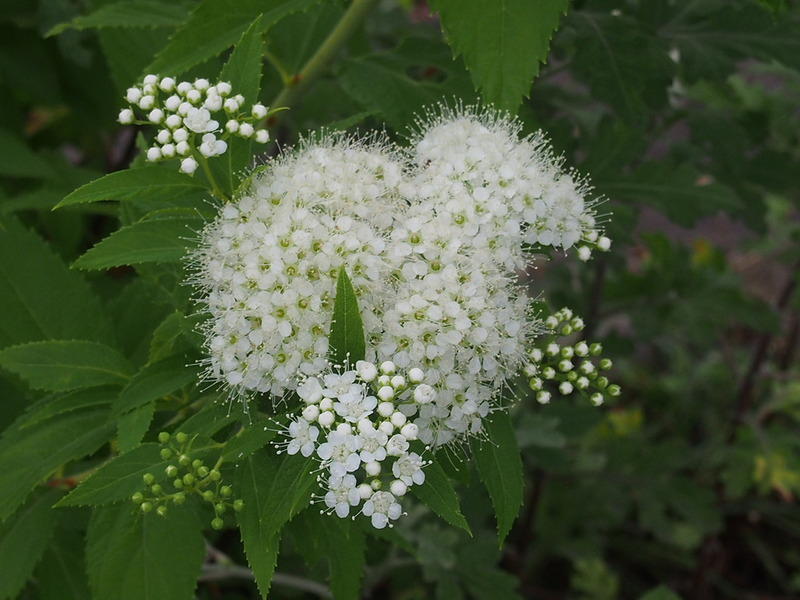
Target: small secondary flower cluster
(189, 477)
(189, 115)
(568, 368)
(357, 424)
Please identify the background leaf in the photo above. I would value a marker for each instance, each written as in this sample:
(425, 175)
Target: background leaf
(347, 344)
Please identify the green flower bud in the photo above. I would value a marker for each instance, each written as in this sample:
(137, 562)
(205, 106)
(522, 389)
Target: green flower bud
(146, 507)
(179, 498)
(605, 364)
(188, 479)
(184, 460)
(614, 390)
(202, 471)
(171, 471)
(196, 463)
(217, 523)
(161, 511)
(178, 483)
(219, 508)
(166, 454)
(226, 491)
(595, 349)
(137, 497)
(163, 437)
(156, 489)
(566, 329)
(601, 382)
(148, 478)
(181, 437)
(215, 475)
(238, 505)
(572, 376)
(208, 496)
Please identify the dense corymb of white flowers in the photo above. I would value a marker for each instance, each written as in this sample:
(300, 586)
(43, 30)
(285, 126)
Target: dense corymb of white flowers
(433, 238)
(195, 118)
(268, 264)
(356, 424)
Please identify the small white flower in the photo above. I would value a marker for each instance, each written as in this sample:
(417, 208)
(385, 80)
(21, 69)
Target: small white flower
(340, 453)
(303, 438)
(201, 84)
(193, 96)
(168, 150)
(133, 95)
(262, 136)
(146, 102)
(154, 153)
(183, 87)
(424, 394)
(231, 105)
(342, 494)
(366, 370)
(224, 88)
(173, 121)
(150, 79)
(182, 148)
(246, 130)
(310, 390)
(259, 111)
(199, 120)
(163, 136)
(167, 84)
(397, 445)
(232, 126)
(408, 469)
(381, 508)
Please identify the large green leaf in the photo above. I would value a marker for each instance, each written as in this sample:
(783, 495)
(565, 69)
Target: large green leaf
(502, 42)
(29, 274)
(29, 455)
(440, 496)
(152, 240)
(347, 342)
(216, 25)
(58, 404)
(132, 13)
(154, 381)
(134, 425)
(121, 477)
(400, 83)
(61, 574)
(500, 467)
(274, 489)
(63, 365)
(23, 539)
(131, 556)
(243, 72)
(153, 183)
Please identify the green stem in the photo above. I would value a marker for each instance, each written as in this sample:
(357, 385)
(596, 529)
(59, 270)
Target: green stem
(298, 84)
(215, 189)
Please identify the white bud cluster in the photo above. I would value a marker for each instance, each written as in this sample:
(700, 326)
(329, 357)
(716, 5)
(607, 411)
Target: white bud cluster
(189, 115)
(357, 424)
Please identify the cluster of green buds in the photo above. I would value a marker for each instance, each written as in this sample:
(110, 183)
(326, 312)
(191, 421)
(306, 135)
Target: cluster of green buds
(188, 477)
(569, 368)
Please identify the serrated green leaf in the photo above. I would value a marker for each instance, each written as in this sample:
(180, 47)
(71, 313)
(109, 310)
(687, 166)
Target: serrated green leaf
(23, 539)
(64, 365)
(121, 477)
(131, 556)
(29, 455)
(29, 272)
(502, 42)
(216, 25)
(253, 436)
(18, 160)
(154, 183)
(58, 404)
(500, 467)
(132, 13)
(154, 381)
(148, 241)
(400, 83)
(274, 489)
(172, 332)
(344, 545)
(133, 426)
(438, 494)
(346, 340)
(243, 72)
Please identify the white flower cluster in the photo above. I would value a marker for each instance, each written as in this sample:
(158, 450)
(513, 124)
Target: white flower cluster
(269, 262)
(356, 424)
(433, 239)
(187, 114)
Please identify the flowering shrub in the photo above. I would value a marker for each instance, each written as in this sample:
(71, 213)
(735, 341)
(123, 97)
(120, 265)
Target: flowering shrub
(311, 298)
